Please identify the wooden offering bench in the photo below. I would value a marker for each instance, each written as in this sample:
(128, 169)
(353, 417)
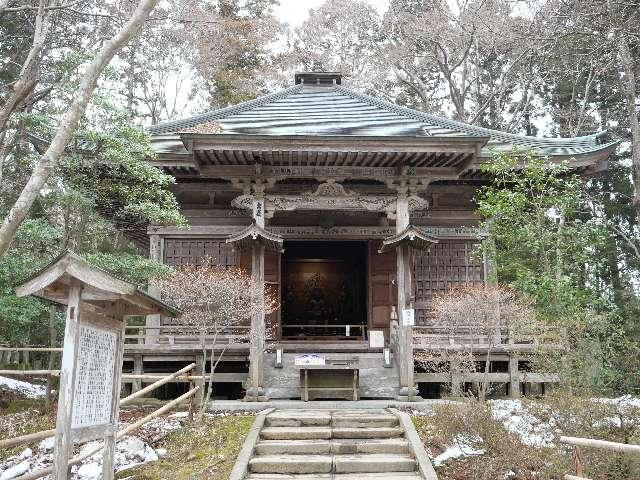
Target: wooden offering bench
(335, 379)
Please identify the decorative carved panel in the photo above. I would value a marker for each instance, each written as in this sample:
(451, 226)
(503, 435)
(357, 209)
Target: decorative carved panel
(330, 196)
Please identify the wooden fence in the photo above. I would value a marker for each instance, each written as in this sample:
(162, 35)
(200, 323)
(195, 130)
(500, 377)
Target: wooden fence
(183, 334)
(436, 337)
(11, 442)
(578, 442)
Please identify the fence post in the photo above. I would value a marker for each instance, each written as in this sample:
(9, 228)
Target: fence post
(200, 371)
(514, 377)
(52, 342)
(577, 460)
(136, 384)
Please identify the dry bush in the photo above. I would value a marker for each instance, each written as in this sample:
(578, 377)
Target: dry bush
(468, 323)
(591, 418)
(505, 452)
(218, 303)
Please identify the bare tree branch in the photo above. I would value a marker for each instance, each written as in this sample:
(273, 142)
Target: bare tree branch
(69, 123)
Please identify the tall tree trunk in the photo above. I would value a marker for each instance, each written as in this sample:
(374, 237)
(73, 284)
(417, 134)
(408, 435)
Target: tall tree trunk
(628, 82)
(69, 123)
(28, 77)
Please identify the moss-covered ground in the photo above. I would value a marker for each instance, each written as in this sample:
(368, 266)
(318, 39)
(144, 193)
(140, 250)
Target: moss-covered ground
(198, 451)
(21, 417)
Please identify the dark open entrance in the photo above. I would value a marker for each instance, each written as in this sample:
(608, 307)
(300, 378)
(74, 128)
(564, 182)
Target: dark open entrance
(324, 294)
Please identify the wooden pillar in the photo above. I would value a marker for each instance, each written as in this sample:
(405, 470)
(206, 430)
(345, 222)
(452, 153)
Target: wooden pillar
(403, 279)
(514, 377)
(62, 442)
(155, 253)
(256, 350)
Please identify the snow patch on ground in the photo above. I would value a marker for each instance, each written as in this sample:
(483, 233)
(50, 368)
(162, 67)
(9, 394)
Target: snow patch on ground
(625, 401)
(26, 389)
(130, 451)
(461, 447)
(46, 444)
(179, 415)
(517, 420)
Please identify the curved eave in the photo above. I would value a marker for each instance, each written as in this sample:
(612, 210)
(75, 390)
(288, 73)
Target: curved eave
(252, 234)
(412, 236)
(590, 156)
(194, 141)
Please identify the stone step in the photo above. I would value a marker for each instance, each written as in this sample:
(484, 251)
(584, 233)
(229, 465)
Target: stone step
(298, 418)
(295, 433)
(366, 432)
(311, 433)
(291, 464)
(364, 420)
(375, 445)
(336, 446)
(338, 476)
(386, 476)
(373, 463)
(295, 447)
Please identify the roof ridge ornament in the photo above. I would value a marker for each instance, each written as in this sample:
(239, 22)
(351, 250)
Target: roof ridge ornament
(320, 79)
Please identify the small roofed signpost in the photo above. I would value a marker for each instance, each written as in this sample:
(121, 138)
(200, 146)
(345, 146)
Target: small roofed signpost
(89, 394)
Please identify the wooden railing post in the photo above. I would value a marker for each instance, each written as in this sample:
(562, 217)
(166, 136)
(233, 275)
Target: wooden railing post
(138, 368)
(514, 376)
(577, 461)
(200, 371)
(52, 341)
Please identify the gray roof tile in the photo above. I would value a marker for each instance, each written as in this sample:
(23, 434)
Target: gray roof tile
(336, 110)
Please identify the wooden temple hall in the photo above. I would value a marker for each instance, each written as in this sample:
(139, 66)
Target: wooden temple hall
(356, 211)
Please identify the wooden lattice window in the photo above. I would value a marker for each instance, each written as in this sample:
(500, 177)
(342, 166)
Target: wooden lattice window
(191, 251)
(183, 251)
(446, 265)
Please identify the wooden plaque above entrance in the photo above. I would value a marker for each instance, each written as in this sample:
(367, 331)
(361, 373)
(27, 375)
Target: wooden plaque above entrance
(323, 171)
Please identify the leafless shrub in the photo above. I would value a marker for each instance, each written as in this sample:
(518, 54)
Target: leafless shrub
(218, 304)
(469, 324)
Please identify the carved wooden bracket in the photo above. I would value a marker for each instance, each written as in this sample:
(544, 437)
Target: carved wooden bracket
(330, 196)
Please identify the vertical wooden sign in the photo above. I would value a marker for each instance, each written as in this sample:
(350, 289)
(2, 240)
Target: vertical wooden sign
(88, 404)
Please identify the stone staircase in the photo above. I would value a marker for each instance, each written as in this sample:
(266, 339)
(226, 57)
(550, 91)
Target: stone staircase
(338, 445)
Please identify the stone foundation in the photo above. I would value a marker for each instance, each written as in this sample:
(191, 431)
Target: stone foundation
(376, 381)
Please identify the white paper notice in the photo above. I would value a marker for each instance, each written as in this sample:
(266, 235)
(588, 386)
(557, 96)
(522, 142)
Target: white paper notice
(376, 339)
(408, 317)
(309, 359)
(94, 377)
